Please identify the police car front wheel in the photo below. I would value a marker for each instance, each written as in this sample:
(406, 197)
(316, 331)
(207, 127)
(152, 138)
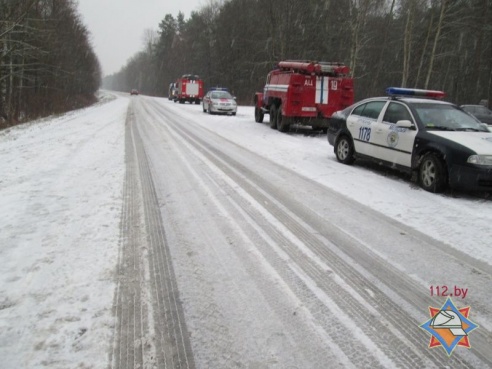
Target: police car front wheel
(432, 173)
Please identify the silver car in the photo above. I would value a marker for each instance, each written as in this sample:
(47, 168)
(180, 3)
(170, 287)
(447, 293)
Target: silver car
(219, 102)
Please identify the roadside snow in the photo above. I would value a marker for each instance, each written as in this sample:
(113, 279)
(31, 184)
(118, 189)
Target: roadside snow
(60, 203)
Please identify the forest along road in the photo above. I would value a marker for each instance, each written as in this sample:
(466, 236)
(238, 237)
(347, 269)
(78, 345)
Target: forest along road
(231, 260)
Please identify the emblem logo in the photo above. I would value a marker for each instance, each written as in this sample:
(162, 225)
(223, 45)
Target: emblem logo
(392, 139)
(449, 327)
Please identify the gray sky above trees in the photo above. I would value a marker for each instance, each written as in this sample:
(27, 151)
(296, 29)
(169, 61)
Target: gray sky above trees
(117, 27)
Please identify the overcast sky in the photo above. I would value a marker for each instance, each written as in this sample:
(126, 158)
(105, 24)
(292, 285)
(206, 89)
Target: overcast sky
(117, 26)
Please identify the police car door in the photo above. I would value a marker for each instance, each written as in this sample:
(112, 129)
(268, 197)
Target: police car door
(394, 143)
(361, 123)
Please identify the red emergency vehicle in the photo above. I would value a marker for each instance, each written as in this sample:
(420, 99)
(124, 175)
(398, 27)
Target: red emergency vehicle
(188, 88)
(304, 92)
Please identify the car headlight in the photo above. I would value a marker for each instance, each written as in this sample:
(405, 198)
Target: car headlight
(480, 159)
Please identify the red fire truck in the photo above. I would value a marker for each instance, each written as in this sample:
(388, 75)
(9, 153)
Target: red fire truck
(304, 92)
(188, 88)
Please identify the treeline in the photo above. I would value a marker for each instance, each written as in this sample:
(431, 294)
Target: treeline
(47, 64)
(434, 44)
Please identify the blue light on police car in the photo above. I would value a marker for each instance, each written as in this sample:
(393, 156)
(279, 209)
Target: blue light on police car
(414, 92)
(218, 89)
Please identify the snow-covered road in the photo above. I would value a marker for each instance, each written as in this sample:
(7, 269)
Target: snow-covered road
(142, 233)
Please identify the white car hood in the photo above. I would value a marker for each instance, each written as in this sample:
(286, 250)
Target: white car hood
(480, 142)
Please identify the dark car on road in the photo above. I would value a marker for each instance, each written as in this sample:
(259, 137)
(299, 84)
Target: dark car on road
(480, 112)
(412, 130)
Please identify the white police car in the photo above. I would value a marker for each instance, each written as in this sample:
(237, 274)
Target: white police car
(219, 101)
(412, 131)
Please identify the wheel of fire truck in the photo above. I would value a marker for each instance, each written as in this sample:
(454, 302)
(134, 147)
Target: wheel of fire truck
(181, 101)
(259, 115)
(344, 150)
(273, 117)
(283, 123)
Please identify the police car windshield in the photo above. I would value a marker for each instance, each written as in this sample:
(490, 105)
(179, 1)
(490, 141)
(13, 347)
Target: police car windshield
(221, 95)
(445, 117)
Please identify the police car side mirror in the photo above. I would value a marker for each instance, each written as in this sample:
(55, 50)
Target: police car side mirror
(404, 124)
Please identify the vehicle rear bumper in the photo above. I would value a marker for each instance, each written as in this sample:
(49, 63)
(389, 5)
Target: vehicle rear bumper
(313, 122)
(222, 110)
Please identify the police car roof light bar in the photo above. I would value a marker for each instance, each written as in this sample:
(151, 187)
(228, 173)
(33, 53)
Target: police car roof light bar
(218, 89)
(399, 91)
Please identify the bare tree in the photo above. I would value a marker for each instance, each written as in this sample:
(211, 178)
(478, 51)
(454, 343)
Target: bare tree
(385, 32)
(439, 26)
(428, 35)
(407, 43)
(46, 61)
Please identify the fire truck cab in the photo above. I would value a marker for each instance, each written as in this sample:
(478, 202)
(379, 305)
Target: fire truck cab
(189, 88)
(305, 93)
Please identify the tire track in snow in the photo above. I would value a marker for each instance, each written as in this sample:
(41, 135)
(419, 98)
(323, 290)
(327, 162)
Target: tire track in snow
(151, 331)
